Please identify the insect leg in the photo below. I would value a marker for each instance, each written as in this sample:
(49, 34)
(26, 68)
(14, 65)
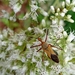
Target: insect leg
(35, 46)
(39, 49)
(55, 47)
(43, 57)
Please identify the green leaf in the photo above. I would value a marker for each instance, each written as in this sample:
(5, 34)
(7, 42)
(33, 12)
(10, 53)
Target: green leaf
(72, 60)
(5, 21)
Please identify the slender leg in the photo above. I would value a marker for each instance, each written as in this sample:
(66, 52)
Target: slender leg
(35, 46)
(46, 35)
(39, 49)
(55, 47)
(43, 57)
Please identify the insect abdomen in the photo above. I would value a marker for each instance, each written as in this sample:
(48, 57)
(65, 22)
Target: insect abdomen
(54, 58)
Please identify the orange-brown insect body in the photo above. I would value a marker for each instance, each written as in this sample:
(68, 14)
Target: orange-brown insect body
(48, 49)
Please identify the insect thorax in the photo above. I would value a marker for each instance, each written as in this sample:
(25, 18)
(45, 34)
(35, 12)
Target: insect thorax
(44, 45)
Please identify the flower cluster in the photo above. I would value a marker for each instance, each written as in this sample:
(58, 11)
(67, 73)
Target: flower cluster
(16, 55)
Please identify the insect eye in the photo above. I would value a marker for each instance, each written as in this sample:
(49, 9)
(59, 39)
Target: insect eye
(54, 58)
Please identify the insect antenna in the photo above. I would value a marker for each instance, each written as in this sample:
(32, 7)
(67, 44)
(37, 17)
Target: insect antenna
(46, 35)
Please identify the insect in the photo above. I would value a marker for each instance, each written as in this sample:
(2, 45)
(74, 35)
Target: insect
(48, 49)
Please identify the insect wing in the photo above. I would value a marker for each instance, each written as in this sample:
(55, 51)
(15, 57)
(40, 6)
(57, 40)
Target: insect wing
(54, 58)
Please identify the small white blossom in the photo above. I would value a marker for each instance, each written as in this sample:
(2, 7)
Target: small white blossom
(70, 37)
(4, 43)
(1, 36)
(43, 12)
(29, 28)
(26, 16)
(32, 73)
(65, 34)
(69, 19)
(62, 14)
(57, 68)
(20, 43)
(73, 9)
(15, 67)
(43, 22)
(52, 9)
(58, 10)
(63, 4)
(37, 30)
(46, 63)
(2, 55)
(16, 7)
(56, 14)
(67, 2)
(5, 33)
(65, 10)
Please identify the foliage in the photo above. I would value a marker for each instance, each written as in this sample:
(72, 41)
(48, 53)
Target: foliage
(22, 22)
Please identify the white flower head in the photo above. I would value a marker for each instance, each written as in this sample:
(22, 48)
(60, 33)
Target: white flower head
(57, 68)
(70, 37)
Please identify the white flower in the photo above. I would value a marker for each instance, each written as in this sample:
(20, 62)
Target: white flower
(65, 10)
(63, 4)
(4, 43)
(57, 68)
(26, 16)
(73, 2)
(16, 7)
(2, 55)
(29, 28)
(69, 19)
(33, 8)
(32, 73)
(67, 2)
(1, 36)
(34, 16)
(46, 63)
(62, 14)
(5, 33)
(52, 9)
(70, 37)
(43, 12)
(15, 67)
(65, 33)
(37, 30)
(10, 47)
(58, 10)
(73, 9)
(20, 43)
(43, 22)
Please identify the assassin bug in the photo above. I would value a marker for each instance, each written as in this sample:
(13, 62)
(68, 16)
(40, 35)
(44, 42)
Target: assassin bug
(48, 49)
